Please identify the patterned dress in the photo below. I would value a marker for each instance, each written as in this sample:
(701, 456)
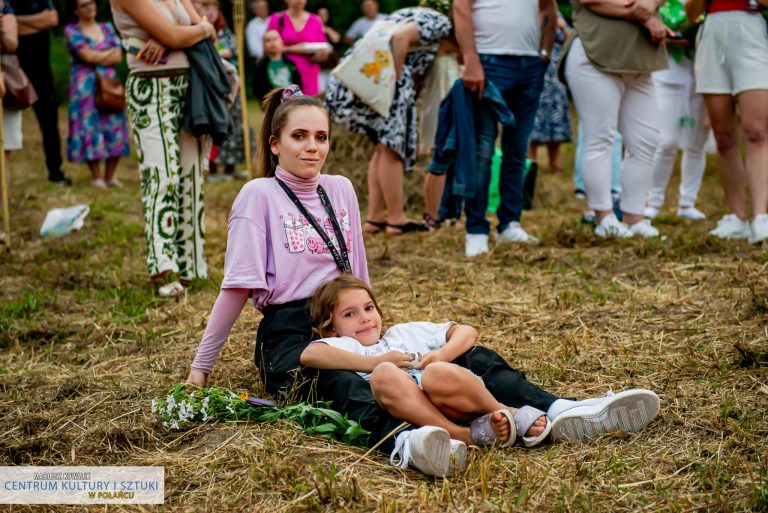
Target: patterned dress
(92, 135)
(553, 120)
(399, 131)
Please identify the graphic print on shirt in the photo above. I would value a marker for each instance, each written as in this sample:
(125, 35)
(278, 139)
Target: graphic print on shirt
(301, 235)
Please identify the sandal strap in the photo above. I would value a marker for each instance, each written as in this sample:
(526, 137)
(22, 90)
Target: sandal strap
(525, 417)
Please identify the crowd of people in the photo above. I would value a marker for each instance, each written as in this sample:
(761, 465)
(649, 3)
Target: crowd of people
(295, 243)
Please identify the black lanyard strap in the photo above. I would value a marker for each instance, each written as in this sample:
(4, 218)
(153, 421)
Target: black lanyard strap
(340, 255)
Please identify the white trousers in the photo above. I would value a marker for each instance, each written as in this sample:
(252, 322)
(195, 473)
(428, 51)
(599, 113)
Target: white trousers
(681, 126)
(607, 102)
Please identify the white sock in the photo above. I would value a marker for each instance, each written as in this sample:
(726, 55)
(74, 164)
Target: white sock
(561, 405)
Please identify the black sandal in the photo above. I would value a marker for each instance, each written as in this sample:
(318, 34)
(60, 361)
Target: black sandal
(410, 226)
(379, 225)
(431, 222)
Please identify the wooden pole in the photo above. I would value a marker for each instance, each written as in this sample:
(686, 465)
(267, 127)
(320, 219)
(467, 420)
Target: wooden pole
(238, 17)
(4, 182)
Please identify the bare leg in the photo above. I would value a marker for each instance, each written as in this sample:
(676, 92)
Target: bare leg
(753, 107)
(391, 173)
(399, 394)
(93, 165)
(722, 114)
(553, 148)
(532, 150)
(433, 191)
(110, 167)
(375, 198)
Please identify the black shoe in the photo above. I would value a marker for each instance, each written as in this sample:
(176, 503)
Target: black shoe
(60, 180)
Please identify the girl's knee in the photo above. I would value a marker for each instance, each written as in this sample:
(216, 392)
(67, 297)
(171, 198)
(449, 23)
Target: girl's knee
(442, 374)
(755, 132)
(726, 140)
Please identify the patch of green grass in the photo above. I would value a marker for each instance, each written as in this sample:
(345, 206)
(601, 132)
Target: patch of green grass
(20, 308)
(128, 302)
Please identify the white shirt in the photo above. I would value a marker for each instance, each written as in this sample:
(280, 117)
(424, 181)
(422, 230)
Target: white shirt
(507, 27)
(361, 26)
(410, 337)
(254, 36)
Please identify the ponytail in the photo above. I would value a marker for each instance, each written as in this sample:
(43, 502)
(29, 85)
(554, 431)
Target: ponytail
(276, 107)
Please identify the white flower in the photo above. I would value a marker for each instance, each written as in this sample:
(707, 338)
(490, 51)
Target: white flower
(155, 406)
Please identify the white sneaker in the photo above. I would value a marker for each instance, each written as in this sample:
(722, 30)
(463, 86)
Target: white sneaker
(652, 212)
(691, 212)
(610, 226)
(731, 227)
(427, 449)
(644, 228)
(630, 410)
(759, 229)
(476, 244)
(515, 233)
(458, 457)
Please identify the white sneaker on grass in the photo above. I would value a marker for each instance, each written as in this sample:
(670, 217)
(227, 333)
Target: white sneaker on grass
(515, 233)
(691, 213)
(759, 229)
(644, 229)
(731, 227)
(630, 410)
(610, 227)
(458, 461)
(475, 244)
(427, 449)
(651, 212)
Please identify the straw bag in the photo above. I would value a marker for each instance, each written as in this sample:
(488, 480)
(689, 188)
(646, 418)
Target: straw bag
(19, 93)
(110, 94)
(369, 71)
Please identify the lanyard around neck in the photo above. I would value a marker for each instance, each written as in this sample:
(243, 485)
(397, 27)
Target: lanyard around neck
(340, 255)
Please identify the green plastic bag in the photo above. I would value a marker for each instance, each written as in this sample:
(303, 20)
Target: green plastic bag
(494, 199)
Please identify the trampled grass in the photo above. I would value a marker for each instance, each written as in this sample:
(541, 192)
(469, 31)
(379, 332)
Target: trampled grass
(86, 346)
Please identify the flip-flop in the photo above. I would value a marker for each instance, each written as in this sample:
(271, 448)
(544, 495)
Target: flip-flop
(630, 410)
(379, 225)
(482, 434)
(524, 419)
(410, 226)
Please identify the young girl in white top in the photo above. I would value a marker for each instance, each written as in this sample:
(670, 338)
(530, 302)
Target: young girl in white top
(414, 358)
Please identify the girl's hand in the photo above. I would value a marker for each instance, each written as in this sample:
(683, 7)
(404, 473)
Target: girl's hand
(151, 52)
(197, 378)
(402, 360)
(430, 357)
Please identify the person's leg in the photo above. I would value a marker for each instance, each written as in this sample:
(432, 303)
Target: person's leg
(553, 151)
(753, 110)
(190, 236)
(722, 116)
(433, 191)
(391, 176)
(94, 166)
(521, 93)
(597, 96)
(578, 159)
(34, 57)
(617, 157)
(486, 131)
(110, 167)
(694, 160)
(638, 118)
(668, 98)
(375, 198)
(533, 148)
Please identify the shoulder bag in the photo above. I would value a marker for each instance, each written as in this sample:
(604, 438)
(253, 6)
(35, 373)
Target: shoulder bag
(19, 93)
(110, 94)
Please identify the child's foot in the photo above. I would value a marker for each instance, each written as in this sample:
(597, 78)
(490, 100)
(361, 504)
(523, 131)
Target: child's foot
(492, 429)
(500, 424)
(531, 425)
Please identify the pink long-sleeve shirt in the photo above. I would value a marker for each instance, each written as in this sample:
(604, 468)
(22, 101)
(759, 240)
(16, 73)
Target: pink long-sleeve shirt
(275, 255)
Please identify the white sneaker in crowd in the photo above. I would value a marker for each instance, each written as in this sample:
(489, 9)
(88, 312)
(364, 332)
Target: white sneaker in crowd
(731, 227)
(476, 244)
(458, 460)
(652, 212)
(692, 213)
(644, 228)
(427, 449)
(515, 233)
(759, 229)
(610, 226)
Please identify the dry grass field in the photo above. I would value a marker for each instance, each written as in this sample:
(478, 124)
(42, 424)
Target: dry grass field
(85, 346)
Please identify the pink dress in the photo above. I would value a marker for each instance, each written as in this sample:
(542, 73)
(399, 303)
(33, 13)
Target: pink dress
(311, 33)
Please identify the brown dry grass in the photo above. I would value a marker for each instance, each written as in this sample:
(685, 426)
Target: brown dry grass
(85, 347)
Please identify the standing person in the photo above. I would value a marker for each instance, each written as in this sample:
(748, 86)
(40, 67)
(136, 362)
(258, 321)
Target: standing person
(232, 151)
(552, 125)
(296, 228)
(511, 48)
(273, 70)
(35, 20)
(171, 161)
(298, 27)
(681, 125)
(731, 73)
(255, 29)
(94, 136)
(613, 90)
(395, 136)
(362, 25)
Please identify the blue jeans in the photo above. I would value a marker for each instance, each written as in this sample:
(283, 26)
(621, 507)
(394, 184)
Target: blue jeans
(520, 81)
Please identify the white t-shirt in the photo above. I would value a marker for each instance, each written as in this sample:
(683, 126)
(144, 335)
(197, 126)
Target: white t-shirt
(507, 27)
(410, 337)
(361, 26)
(254, 36)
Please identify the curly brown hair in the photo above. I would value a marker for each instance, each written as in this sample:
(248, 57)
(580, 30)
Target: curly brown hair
(324, 300)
